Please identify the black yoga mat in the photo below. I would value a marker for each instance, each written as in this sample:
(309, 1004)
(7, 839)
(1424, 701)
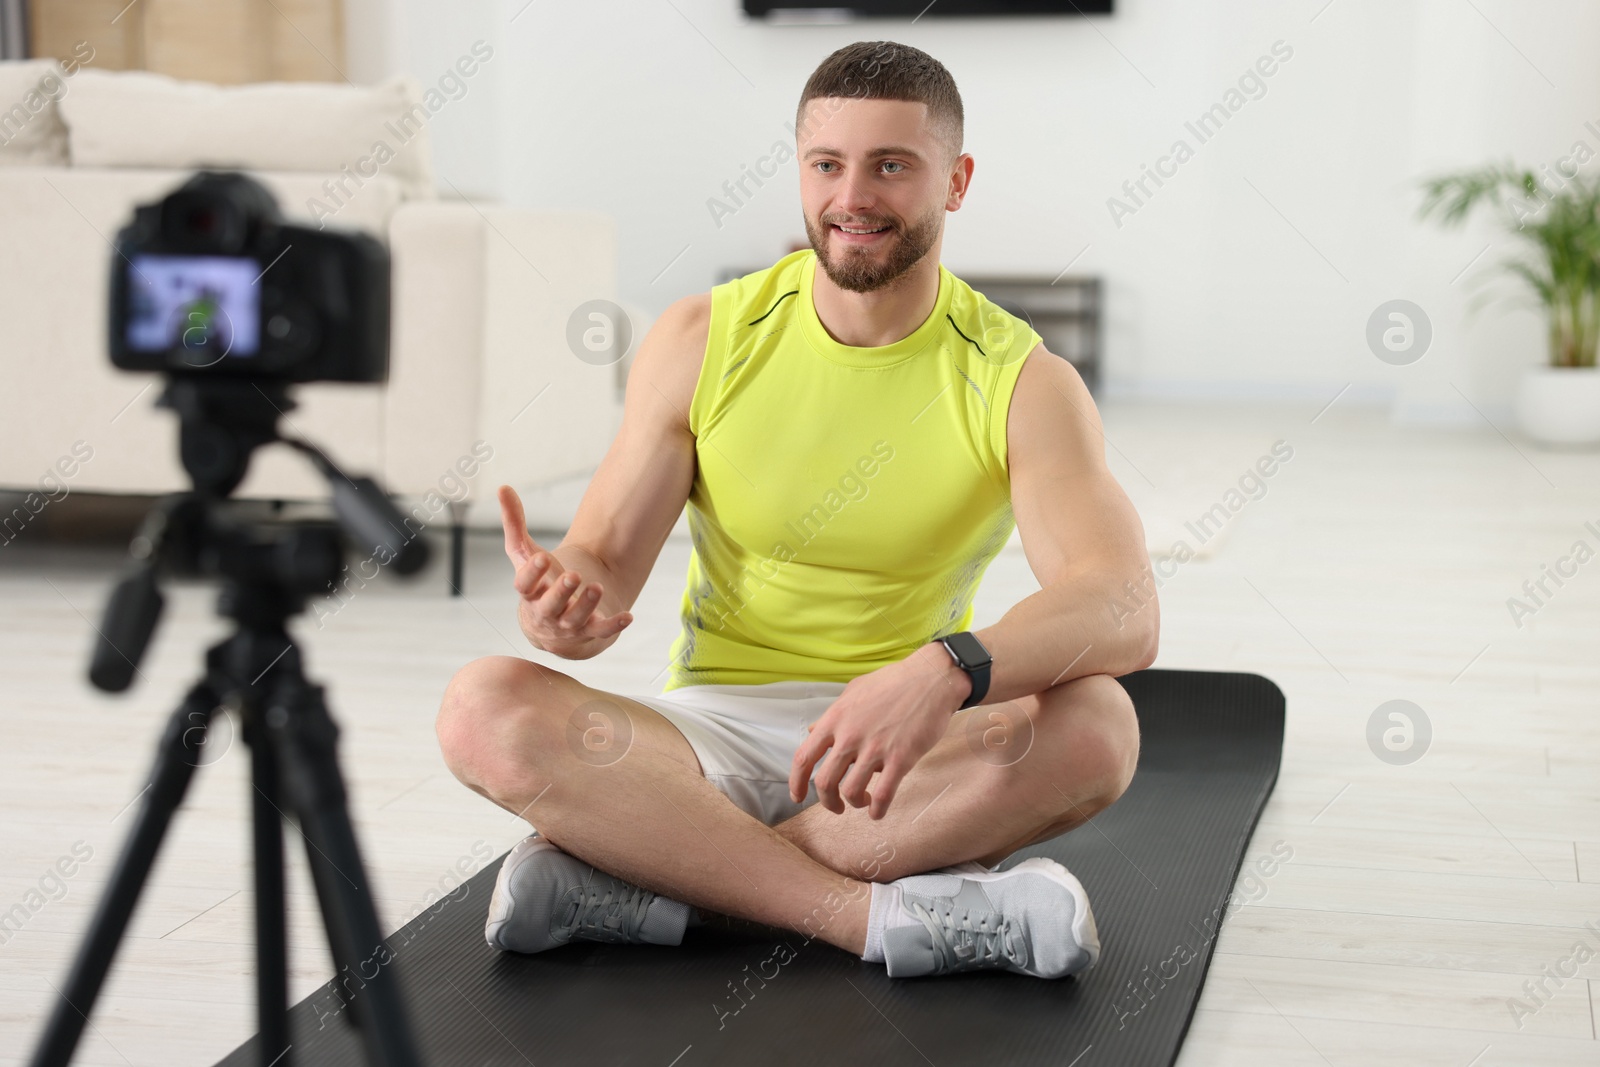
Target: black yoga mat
(1158, 866)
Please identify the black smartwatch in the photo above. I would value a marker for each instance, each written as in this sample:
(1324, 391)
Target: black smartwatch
(972, 657)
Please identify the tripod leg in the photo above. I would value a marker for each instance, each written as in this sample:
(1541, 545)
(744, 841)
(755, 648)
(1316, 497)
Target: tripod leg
(272, 965)
(316, 790)
(177, 754)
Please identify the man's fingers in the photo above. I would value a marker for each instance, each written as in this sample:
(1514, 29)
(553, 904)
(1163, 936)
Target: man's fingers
(511, 522)
(558, 594)
(853, 787)
(560, 601)
(805, 757)
(519, 543)
(531, 572)
(829, 773)
(883, 791)
(577, 614)
(606, 627)
(580, 615)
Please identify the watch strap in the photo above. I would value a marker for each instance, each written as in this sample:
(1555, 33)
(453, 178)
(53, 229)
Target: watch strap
(980, 685)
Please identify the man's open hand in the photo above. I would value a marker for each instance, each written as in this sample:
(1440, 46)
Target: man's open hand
(557, 608)
(883, 723)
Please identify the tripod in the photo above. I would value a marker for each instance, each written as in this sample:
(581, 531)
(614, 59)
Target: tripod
(267, 572)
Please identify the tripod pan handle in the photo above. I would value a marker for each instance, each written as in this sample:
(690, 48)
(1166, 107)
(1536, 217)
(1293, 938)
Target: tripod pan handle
(130, 619)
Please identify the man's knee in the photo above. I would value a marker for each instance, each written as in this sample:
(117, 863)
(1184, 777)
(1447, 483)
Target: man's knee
(488, 708)
(1085, 749)
(1109, 743)
(1093, 752)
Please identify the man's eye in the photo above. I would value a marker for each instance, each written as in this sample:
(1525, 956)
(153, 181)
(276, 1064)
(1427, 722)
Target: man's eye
(892, 163)
(825, 163)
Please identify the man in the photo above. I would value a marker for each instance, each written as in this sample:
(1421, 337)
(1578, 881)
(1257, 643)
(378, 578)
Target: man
(855, 433)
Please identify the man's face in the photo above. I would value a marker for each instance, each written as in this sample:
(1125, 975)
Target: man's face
(871, 165)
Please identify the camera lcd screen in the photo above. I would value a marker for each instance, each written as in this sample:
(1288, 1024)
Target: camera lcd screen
(205, 306)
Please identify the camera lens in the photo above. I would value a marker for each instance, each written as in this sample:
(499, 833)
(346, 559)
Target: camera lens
(292, 330)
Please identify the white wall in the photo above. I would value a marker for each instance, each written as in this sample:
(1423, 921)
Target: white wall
(423, 39)
(1252, 271)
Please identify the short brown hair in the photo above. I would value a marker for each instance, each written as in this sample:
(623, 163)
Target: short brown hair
(888, 70)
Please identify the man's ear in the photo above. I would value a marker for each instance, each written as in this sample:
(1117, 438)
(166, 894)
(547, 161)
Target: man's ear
(960, 181)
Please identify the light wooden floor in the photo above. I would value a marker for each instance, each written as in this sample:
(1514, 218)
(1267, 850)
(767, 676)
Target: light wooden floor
(1420, 899)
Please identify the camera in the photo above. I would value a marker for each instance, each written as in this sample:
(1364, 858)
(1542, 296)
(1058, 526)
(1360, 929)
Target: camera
(211, 281)
(211, 288)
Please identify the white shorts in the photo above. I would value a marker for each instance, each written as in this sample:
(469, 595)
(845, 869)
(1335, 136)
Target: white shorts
(746, 737)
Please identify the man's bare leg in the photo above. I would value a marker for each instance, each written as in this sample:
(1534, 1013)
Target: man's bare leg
(995, 783)
(651, 818)
(648, 815)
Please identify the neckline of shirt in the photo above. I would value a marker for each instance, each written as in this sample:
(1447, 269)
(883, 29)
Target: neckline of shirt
(877, 356)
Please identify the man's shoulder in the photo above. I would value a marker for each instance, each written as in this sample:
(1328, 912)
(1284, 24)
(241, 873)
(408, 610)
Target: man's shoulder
(686, 317)
(670, 356)
(994, 335)
(755, 297)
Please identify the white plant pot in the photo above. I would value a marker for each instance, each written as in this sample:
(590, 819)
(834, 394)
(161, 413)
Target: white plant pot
(1560, 405)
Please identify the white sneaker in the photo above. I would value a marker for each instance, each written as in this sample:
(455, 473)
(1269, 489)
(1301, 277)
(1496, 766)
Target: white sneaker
(1033, 919)
(545, 897)
(970, 867)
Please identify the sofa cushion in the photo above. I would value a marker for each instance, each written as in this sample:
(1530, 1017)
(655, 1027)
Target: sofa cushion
(142, 119)
(31, 132)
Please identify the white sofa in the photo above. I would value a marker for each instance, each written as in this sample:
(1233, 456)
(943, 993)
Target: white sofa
(481, 295)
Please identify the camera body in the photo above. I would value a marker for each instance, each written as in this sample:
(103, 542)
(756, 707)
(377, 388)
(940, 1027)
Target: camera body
(210, 281)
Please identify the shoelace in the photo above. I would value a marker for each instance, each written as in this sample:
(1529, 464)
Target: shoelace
(604, 913)
(964, 945)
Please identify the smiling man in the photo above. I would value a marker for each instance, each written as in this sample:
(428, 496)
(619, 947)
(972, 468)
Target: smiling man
(855, 433)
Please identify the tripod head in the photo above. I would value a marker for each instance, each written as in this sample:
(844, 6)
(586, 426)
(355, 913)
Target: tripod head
(268, 569)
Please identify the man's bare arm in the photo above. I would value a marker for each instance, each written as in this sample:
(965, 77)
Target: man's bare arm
(1083, 540)
(575, 597)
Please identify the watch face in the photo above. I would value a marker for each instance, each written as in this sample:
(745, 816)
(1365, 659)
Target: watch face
(969, 650)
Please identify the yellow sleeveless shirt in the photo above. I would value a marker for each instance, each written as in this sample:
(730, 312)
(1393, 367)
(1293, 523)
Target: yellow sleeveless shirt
(846, 500)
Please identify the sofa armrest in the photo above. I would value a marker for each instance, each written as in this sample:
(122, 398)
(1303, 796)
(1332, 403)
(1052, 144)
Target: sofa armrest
(430, 412)
(549, 414)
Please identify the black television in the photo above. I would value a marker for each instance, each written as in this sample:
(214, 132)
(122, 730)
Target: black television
(847, 10)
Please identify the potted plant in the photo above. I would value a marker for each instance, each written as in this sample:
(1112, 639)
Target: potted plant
(1559, 403)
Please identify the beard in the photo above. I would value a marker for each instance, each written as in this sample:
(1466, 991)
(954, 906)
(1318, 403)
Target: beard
(859, 270)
